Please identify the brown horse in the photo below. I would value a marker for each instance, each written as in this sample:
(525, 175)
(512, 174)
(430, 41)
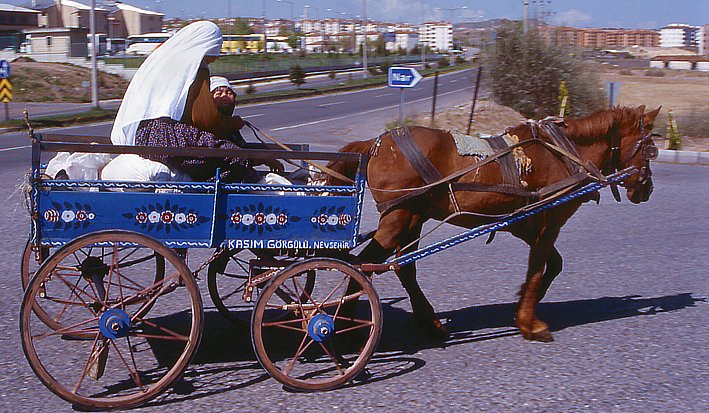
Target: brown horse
(400, 225)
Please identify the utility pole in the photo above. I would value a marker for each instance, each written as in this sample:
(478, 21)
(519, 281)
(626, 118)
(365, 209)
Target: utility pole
(265, 38)
(364, 44)
(525, 23)
(94, 68)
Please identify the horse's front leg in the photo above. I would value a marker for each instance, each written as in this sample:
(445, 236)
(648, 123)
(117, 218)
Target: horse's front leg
(542, 249)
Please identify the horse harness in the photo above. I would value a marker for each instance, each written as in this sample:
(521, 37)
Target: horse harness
(512, 183)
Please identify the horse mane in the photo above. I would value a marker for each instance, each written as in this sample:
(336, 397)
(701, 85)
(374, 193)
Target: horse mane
(592, 128)
(346, 168)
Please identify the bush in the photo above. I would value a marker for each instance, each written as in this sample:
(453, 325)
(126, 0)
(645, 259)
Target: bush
(655, 72)
(526, 74)
(373, 70)
(444, 62)
(250, 89)
(626, 72)
(332, 74)
(297, 75)
(459, 60)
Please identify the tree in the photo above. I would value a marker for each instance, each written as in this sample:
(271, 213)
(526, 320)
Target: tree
(526, 74)
(444, 62)
(297, 75)
(241, 26)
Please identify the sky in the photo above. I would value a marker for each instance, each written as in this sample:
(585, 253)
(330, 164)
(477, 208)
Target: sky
(644, 14)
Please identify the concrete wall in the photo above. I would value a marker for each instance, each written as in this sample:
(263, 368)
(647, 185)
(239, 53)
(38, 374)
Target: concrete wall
(679, 65)
(702, 66)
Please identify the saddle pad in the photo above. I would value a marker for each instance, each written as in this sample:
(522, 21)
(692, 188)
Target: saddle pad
(476, 145)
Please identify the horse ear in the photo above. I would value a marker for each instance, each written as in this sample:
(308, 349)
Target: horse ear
(650, 116)
(640, 109)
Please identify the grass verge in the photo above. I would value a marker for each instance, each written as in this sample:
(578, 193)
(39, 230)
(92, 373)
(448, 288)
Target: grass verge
(89, 116)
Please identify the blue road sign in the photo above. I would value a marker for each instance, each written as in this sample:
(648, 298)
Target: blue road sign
(4, 69)
(403, 77)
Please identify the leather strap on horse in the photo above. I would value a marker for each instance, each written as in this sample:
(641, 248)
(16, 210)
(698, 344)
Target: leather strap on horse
(411, 151)
(551, 127)
(508, 169)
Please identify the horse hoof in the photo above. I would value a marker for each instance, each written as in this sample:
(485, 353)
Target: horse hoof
(543, 336)
(435, 329)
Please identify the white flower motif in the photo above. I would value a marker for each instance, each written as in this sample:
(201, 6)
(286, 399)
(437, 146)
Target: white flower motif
(333, 220)
(180, 218)
(271, 219)
(154, 217)
(92, 215)
(68, 216)
(248, 219)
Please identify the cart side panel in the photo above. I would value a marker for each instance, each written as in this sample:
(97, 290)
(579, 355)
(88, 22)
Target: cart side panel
(178, 220)
(287, 221)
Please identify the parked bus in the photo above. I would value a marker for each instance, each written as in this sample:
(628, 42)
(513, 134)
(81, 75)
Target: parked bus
(144, 44)
(242, 43)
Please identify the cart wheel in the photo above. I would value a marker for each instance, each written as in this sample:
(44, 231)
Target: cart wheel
(29, 266)
(30, 263)
(121, 341)
(227, 277)
(303, 339)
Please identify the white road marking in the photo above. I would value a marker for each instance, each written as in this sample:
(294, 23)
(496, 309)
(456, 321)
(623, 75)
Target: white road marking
(362, 113)
(453, 81)
(252, 116)
(381, 96)
(15, 148)
(324, 105)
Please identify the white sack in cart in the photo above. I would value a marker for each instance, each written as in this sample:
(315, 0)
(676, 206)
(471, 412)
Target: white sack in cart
(133, 168)
(78, 166)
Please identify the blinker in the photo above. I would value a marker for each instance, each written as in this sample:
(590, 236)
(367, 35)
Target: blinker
(650, 152)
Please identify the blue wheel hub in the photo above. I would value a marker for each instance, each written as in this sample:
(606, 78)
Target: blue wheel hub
(114, 323)
(321, 327)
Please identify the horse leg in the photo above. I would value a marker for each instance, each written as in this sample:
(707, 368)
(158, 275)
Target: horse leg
(554, 266)
(424, 315)
(526, 319)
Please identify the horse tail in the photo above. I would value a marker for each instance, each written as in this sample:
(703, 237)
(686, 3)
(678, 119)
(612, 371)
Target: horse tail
(347, 168)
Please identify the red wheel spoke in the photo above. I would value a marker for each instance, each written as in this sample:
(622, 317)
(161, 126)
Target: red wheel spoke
(61, 278)
(156, 288)
(301, 349)
(135, 366)
(66, 330)
(132, 373)
(333, 358)
(285, 324)
(171, 335)
(236, 290)
(67, 302)
(85, 370)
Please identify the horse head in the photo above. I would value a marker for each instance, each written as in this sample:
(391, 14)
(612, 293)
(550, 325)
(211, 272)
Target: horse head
(633, 146)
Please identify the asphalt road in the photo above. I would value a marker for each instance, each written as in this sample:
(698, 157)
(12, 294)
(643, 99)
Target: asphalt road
(629, 312)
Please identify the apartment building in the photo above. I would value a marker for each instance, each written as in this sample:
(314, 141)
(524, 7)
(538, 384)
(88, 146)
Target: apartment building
(679, 35)
(437, 35)
(599, 38)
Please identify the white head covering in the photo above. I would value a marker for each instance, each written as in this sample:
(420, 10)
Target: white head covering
(159, 88)
(219, 81)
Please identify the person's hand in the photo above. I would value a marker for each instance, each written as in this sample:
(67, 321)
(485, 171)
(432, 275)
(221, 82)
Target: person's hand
(237, 123)
(273, 164)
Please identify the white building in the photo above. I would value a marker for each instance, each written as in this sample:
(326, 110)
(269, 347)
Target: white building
(678, 35)
(437, 35)
(403, 40)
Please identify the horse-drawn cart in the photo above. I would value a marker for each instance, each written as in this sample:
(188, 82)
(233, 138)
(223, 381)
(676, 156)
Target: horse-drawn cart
(113, 316)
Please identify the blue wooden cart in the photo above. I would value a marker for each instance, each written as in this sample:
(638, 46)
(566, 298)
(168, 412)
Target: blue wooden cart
(113, 315)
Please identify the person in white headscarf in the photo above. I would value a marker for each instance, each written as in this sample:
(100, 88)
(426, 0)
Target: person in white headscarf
(168, 104)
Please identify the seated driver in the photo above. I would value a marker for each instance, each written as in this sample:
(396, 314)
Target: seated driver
(225, 98)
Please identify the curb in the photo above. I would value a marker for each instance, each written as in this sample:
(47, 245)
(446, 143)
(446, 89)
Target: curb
(683, 157)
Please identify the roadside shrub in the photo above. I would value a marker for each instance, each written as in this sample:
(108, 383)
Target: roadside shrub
(626, 72)
(332, 74)
(250, 89)
(297, 75)
(444, 62)
(654, 72)
(373, 70)
(459, 60)
(527, 73)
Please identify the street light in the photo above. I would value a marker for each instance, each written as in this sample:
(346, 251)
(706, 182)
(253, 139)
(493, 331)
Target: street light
(452, 9)
(306, 7)
(94, 68)
(290, 3)
(364, 48)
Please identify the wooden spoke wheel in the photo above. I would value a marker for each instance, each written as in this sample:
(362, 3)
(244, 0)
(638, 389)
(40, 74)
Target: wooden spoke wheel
(227, 279)
(321, 339)
(120, 336)
(31, 262)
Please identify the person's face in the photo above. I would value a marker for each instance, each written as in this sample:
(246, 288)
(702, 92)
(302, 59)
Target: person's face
(210, 59)
(225, 99)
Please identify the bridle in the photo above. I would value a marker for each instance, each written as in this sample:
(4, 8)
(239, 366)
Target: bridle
(644, 145)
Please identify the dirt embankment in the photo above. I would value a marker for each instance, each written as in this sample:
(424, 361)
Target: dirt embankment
(60, 82)
(685, 93)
